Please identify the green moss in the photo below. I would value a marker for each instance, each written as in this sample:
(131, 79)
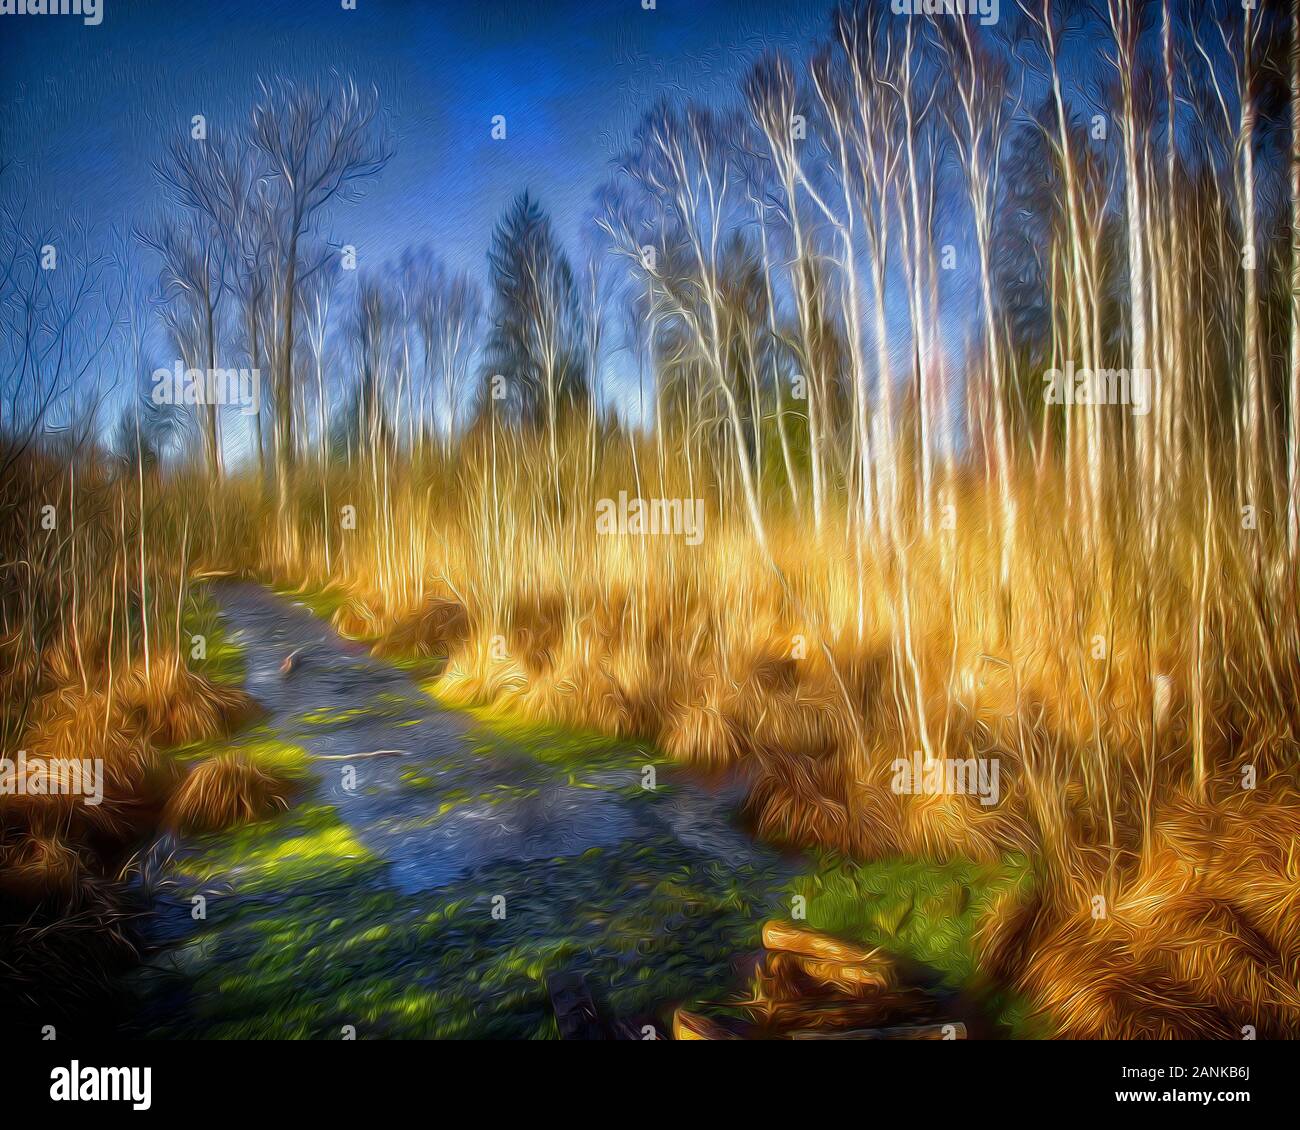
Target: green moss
(500, 732)
(259, 744)
(310, 843)
(223, 662)
(927, 910)
(923, 910)
(417, 779)
(326, 717)
(274, 754)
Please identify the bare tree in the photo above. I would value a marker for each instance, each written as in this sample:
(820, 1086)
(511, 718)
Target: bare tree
(193, 283)
(317, 143)
(681, 162)
(771, 96)
(447, 308)
(979, 123)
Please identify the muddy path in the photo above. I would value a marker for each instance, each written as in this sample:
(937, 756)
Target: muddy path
(432, 892)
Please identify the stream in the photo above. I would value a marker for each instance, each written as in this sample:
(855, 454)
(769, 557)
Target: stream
(432, 892)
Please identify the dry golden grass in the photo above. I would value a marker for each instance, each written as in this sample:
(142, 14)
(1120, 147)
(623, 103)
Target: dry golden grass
(38, 868)
(223, 792)
(125, 729)
(173, 705)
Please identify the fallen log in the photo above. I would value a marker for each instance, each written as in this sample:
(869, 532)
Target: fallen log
(844, 977)
(786, 938)
(951, 1030)
(791, 978)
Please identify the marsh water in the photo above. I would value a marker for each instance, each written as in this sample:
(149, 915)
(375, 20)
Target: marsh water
(436, 866)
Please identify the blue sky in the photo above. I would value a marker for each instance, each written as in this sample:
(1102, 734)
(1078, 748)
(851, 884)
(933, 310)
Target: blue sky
(87, 107)
(86, 110)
